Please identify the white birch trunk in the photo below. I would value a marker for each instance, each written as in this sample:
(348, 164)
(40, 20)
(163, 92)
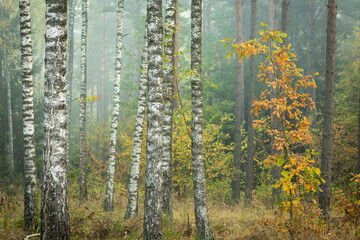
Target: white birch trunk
(201, 211)
(69, 74)
(109, 195)
(54, 212)
(10, 121)
(83, 152)
(28, 116)
(133, 193)
(153, 174)
(168, 106)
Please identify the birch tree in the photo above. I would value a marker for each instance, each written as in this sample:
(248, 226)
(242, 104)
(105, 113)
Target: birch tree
(109, 195)
(328, 131)
(250, 142)
(28, 116)
(83, 150)
(201, 211)
(153, 174)
(10, 117)
(54, 212)
(69, 73)
(239, 107)
(168, 106)
(133, 193)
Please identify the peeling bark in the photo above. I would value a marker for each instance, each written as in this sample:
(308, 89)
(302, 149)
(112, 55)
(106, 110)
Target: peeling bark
(109, 195)
(201, 211)
(28, 116)
(54, 213)
(133, 195)
(83, 148)
(153, 174)
(168, 104)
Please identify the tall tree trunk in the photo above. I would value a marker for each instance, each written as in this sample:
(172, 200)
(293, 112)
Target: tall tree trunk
(358, 161)
(285, 10)
(276, 170)
(176, 58)
(168, 106)
(153, 174)
(69, 74)
(328, 131)
(311, 63)
(239, 108)
(83, 152)
(55, 222)
(28, 116)
(201, 211)
(132, 205)
(38, 81)
(275, 21)
(270, 14)
(250, 143)
(109, 195)
(10, 121)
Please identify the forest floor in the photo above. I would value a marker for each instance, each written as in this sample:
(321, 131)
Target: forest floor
(228, 222)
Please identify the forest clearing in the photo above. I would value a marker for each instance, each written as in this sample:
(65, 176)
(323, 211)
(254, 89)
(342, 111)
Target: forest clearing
(179, 119)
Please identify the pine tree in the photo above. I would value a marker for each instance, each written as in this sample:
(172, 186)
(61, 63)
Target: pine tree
(250, 143)
(239, 107)
(328, 131)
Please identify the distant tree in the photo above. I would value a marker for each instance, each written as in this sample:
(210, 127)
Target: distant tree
(133, 193)
(168, 104)
(55, 223)
(311, 62)
(10, 116)
(83, 147)
(201, 211)
(239, 108)
(69, 72)
(285, 6)
(328, 131)
(109, 195)
(28, 116)
(153, 174)
(250, 143)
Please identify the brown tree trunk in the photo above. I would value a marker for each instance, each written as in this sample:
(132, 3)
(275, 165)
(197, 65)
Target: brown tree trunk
(311, 69)
(328, 131)
(275, 13)
(250, 144)
(275, 171)
(239, 108)
(285, 18)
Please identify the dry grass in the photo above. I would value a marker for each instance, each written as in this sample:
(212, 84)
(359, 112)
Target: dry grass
(89, 221)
